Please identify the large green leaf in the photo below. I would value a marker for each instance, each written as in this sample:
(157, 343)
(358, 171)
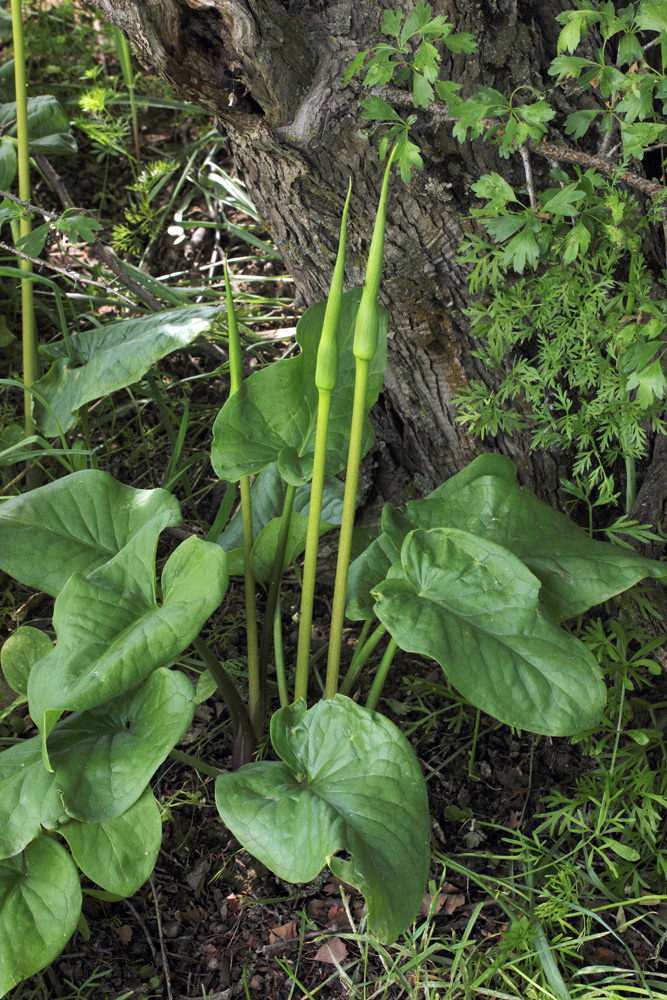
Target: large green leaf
(111, 357)
(111, 631)
(48, 126)
(102, 761)
(120, 854)
(374, 563)
(40, 903)
(273, 416)
(350, 781)
(29, 797)
(576, 573)
(74, 525)
(267, 498)
(20, 653)
(474, 607)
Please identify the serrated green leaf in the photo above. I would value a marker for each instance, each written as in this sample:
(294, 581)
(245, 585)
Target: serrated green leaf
(446, 90)
(577, 242)
(522, 249)
(564, 200)
(460, 41)
(426, 60)
(350, 781)
(496, 188)
(408, 157)
(375, 109)
(276, 408)
(418, 17)
(111, 631)
(391, 23)
(120, 854)
(79, 228)
(650, 384)
(380, 69)
(355, 66)
(74, 525)
(636, 137)
(570, 67)
(33, 242)
(578, 123)
(629, 49)
(40, 903)
(422, 91)
(111, 357)
(652, 17)
(474, 607)
(503, 226)
(20, 653)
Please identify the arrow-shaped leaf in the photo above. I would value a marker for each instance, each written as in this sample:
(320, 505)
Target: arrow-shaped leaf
(40, 903)
(97, 362)
(74, 525)
(474, 607)
(119, 854)
(111, 631)
(102, 761)
(350, 781)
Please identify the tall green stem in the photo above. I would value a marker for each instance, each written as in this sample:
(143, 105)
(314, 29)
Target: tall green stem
(346, 528)
(364, 348)
(326, 376)
(361, 654)
(255, 683)
(30, 355)
(125, 58)
(381, 675)
(272, 598)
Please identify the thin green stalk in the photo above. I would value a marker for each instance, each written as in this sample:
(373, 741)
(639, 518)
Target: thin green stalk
(346, 528)
(364, 348)
(125, 59)
(31, 368)
(360, 658)
(272, 600)
(630, 483)
(381, 675)
(256, 683)
(244, 737)
(279, 655)
(156, 393)
(199, 765)
(326, 376)
(221, 518)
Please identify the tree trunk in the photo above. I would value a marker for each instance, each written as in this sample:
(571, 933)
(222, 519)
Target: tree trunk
(272, 74)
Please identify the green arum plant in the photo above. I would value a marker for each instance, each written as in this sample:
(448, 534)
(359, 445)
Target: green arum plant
(477, 576)
(577, 341)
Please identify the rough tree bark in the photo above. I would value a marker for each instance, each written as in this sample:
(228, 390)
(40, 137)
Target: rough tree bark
(271, 72)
